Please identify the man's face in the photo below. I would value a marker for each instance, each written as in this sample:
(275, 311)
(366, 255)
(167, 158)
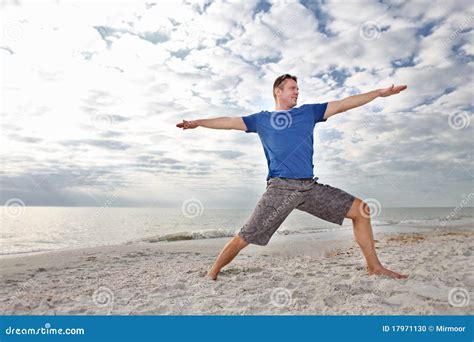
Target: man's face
(289, 94)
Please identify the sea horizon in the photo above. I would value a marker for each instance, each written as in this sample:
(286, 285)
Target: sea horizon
(43, 228)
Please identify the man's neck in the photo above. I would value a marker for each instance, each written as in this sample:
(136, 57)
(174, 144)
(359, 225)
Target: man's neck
(279, 106)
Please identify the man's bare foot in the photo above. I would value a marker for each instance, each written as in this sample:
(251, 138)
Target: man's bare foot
(387, 272)
(212, 276)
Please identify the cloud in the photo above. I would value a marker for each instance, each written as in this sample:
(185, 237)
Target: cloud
(99, 88)
(107, 144)
(25, 139)
(225, 154)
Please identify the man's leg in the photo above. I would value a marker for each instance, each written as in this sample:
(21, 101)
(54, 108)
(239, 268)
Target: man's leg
(278, 201)
(228, 253)
(360, 215)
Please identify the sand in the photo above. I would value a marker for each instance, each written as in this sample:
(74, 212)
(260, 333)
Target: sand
(299, 275)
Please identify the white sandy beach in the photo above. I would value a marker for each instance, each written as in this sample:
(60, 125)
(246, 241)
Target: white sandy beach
(301, 275)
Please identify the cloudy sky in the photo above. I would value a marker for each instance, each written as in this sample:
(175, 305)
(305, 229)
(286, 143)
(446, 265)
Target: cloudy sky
(91, 93)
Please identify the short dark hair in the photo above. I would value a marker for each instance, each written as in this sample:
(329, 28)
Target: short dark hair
(280, 82)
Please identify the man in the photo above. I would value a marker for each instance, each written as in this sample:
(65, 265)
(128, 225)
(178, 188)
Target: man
(287, 138)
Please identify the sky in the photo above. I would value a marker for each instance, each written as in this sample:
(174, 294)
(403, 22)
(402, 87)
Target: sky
(91, 93)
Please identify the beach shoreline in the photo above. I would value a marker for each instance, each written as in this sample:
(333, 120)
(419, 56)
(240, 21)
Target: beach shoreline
(303, 274)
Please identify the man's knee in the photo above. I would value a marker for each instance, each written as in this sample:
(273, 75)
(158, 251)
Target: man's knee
(359, 210)
(239, 242)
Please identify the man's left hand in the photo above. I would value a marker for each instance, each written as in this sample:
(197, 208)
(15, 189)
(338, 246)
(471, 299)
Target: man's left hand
(391, 90)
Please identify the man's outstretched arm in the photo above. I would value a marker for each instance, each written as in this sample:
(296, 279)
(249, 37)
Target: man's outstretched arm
(335, 107)
(216, 123)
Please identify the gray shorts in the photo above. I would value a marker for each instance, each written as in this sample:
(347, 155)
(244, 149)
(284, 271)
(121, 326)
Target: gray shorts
(284, 195)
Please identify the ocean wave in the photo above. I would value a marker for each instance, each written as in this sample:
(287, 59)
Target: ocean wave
(385, 223)
(196, 235)
(26, 251)
(437, 221)
(415, 223)
(432, 222)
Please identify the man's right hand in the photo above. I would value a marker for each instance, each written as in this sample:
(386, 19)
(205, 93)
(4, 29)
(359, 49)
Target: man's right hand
(187, 124)
(224, 122)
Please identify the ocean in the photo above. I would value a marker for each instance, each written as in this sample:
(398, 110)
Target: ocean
(40, 229)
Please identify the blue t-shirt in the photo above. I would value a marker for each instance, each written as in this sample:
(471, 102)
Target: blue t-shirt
(287, 138)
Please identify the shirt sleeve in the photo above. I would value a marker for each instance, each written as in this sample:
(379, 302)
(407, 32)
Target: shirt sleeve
(251, 122)
(318, 110)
